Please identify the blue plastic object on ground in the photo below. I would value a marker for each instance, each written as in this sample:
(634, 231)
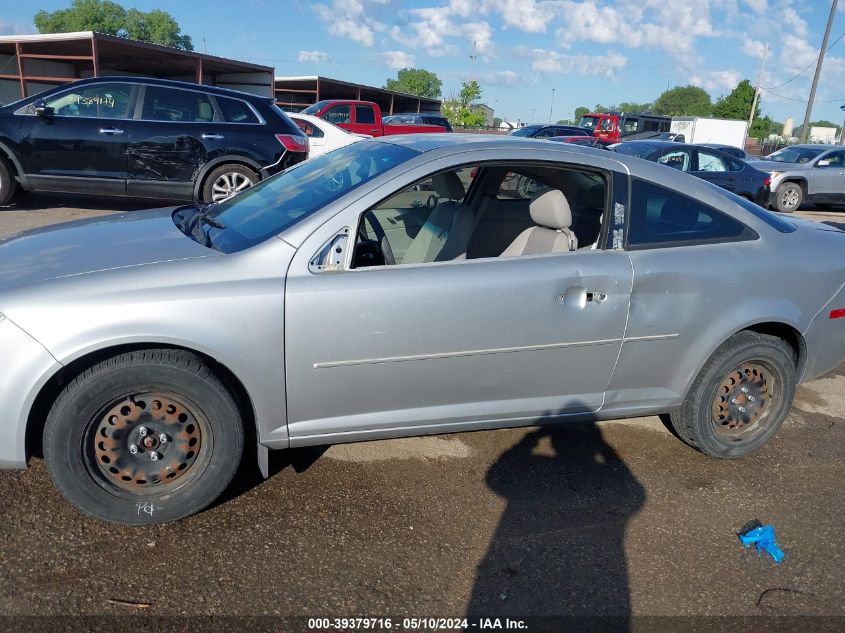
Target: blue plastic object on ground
(763, 539)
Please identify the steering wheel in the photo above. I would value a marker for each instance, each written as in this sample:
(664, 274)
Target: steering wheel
(381, 237)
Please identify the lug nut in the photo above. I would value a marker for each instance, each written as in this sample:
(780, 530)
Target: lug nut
(744, 390)
(154, 456)
(133, 449)
(142, 431)
(742, 409)
(751, 398)
(162, 438)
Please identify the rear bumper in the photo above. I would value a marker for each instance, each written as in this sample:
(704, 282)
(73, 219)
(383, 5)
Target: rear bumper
(825, 339)
(26, 367)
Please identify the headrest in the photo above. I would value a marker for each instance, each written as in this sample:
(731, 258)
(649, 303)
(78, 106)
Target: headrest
(448, 185)
(679, 214)
(551, 209)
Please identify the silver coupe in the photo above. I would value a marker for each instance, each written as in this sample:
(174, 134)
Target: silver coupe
(403, 286)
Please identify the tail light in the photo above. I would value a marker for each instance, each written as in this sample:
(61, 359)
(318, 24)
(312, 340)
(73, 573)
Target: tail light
(837, 314)
(293, 143)
(767, 182)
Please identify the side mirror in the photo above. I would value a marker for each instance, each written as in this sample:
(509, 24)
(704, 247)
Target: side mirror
(41, 108)
(823, 163)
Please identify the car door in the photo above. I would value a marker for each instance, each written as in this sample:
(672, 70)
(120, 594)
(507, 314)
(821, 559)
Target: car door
(711, 166)
(171, 141)
(339, 115)
(828, 180)
(452, 345)
(80, 145)
(365, 121)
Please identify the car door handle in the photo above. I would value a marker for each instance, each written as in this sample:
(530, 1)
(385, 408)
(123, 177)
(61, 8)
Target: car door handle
(213, 137)
(576, 298)
(596, 297)
(110, 130)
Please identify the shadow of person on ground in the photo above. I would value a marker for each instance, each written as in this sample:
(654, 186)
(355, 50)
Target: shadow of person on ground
(559, 546)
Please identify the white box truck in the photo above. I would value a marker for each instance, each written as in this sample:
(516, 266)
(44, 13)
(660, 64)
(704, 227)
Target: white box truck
(697, 129)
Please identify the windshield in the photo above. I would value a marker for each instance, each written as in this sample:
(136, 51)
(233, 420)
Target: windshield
(314, 109)
(265, 210)
(528, 130)
(588, 122)
(641, 150)
(794, 155)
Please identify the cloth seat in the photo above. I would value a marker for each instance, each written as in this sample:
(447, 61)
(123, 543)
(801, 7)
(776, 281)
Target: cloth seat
(551, 213)
(445, 234)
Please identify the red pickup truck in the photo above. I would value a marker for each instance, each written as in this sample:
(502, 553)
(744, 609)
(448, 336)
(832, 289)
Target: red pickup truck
(364, 117)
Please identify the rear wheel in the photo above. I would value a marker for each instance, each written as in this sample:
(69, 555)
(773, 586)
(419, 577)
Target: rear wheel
(144, 437)
(789, 197)
(226, 181)
(740, 397)
(8, 184)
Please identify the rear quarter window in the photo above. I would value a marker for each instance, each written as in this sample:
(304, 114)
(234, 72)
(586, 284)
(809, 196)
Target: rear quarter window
(236, 111)
(662, 217)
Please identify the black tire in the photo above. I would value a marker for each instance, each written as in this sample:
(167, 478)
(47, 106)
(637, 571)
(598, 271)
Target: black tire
(8, 184)
(749, 369)
(789, 197)
(234, 172)
(130, 401)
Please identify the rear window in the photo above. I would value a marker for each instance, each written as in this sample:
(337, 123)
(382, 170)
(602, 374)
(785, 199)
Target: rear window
(635, 149)
(173, 104)
(770, 218)
(236, 111)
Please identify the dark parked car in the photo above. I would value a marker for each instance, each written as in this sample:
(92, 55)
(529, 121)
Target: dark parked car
(548, 131)
(590, 141)
(728, 149)
(134, 136)
(709, 164)
(418, 118)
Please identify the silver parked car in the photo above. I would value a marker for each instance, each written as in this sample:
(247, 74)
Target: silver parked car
(804, 173)
(403, 286)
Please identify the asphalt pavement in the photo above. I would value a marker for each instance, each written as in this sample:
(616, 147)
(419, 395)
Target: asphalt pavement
(610, 519)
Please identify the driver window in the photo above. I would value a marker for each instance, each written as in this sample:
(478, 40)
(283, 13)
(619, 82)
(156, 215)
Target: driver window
(104, 101)
(425, 222)
(835, 159)
(512, 210)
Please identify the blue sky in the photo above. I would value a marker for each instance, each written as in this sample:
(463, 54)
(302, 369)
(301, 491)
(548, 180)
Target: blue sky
(589, 51)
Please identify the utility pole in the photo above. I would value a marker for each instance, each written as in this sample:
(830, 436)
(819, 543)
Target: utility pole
(757, 87)
(552, 106)
(805, 129)
(842, 133)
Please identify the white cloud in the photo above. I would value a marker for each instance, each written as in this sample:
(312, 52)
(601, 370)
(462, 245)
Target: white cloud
(313, 57)
(796, 53)
(757, 6)
(754, 48)
(505, 78)
(547, 61)
(349, 19)
(396, 59)
(717, 80)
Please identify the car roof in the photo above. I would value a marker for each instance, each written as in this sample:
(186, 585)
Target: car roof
(812, 146)
(171, 83)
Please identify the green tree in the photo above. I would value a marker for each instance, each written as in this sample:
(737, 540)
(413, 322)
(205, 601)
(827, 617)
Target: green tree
(581, 111)
(460, 110)
(497, 121)
(684, 101)
(415, 81)
(820, 123)
(633, 107)
(737, 105)
(104, 16)
(763, 126)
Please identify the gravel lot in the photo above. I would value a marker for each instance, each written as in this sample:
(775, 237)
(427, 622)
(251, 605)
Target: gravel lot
(618, 518)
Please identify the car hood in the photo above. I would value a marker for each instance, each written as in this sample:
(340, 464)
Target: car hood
(92, 245)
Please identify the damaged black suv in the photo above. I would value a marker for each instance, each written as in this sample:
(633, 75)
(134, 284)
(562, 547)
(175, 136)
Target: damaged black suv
(152, 138)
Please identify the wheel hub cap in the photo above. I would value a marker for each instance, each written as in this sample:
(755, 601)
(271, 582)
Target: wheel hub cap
(147, 440)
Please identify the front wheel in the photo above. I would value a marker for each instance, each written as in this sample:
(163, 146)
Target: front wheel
(8, 184)
(144, 437)
(789, 197)
(740, 397)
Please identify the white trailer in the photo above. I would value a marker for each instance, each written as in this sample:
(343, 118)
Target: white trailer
(698, 129)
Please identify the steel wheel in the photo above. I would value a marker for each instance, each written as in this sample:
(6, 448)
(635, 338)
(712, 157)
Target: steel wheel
(744, 400)
(149, 442)
(228, 184)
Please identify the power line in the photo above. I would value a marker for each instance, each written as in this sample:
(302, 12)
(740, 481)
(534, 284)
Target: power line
(815, 61)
